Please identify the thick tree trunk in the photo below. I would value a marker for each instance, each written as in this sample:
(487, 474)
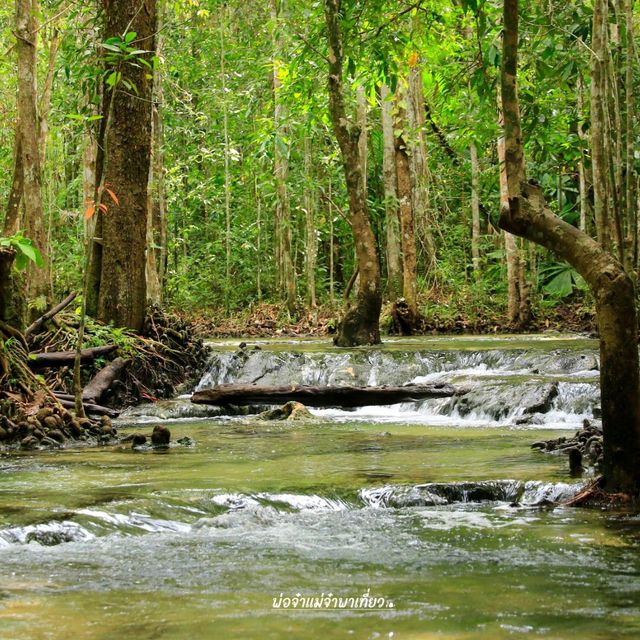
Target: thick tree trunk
(631, 174)
(527, 215)
(122, 298)
(361, 323)
(407, 220)
(27, 113)
(12, 302)
(392, 223)
(243, 394)
(12, 219)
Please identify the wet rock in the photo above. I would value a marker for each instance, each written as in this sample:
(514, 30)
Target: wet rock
(56, 435)
(138, 439)
(49, 442)
(45, 412)
(29, 442)
(291, 411)
(186, 441)
(24, 429)
(161, 436)
(75, 429)
(500, 400)
(50, 423)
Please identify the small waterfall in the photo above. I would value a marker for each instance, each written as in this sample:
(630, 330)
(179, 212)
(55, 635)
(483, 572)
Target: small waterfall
(555, 388)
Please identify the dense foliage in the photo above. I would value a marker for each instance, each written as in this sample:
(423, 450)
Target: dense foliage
(221, 135)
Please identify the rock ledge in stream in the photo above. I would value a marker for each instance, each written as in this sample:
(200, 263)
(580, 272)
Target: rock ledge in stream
(515, 492)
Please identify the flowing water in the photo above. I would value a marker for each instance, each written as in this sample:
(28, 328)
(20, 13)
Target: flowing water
(438, 510)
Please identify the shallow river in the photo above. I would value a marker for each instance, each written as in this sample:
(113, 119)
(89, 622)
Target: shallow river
(438, 510)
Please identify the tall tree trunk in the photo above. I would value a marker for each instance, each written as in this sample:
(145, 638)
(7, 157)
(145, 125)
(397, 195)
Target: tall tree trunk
(598, 104)
(405, 207)
(630, 130)
(28, 119)
(227, 159)
(283, 223)
(361, 323)
(417, 147)
(475, 211)
(527, 214)
(630, 174)
(157, 214)
(311, 252)
(518, 309)
(392, 223)
(122, 298)
(585, 208)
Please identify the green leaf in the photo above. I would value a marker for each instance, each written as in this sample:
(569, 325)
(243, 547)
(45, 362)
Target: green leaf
(130, 36)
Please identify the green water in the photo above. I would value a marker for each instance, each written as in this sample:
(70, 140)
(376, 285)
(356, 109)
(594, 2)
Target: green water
(196, 542)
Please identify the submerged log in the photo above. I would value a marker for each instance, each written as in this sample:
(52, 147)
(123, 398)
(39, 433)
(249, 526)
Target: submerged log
(243, 394)
(57, 359)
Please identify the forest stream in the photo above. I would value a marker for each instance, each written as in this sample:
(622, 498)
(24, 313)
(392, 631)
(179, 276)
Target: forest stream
(439, 510)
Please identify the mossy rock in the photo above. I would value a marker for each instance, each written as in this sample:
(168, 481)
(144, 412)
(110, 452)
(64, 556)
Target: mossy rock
(291, 411)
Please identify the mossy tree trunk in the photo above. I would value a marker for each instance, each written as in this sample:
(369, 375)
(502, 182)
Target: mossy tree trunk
(361, 322)
(527, 215)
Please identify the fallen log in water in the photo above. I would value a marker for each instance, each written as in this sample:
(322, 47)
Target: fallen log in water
(243, 394)
(59, 359)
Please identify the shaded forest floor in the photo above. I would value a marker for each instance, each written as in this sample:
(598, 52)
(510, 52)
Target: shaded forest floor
(272, 320)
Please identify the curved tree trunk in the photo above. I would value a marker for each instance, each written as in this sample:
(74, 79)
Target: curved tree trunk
(122, 298)
(361, 323)
(528, 216)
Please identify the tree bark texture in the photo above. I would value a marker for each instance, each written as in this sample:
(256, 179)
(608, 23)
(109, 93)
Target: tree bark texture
(392, 222)
(29, 125)
(598, 97)
(475, 210)
(284, 260)
(405, 207)
(417, 147)
(360, 324)
(528, 215)
(311, 253)
(122, 298)
(157, 219)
